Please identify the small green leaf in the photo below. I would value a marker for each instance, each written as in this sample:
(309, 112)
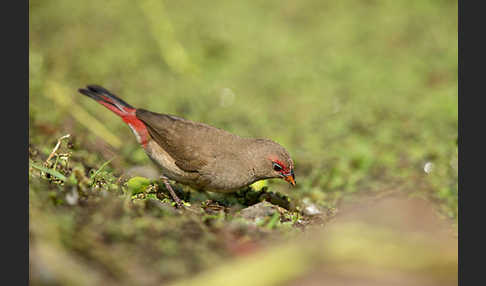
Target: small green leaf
(49, 171)
(137, 185)
(259, 185)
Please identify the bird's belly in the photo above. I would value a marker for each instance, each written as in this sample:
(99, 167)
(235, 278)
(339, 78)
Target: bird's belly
(169, 169)
(227, 181)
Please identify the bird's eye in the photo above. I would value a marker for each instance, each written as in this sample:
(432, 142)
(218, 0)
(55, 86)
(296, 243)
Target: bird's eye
(277, 167)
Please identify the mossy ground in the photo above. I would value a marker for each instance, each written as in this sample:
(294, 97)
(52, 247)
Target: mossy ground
(363, 94)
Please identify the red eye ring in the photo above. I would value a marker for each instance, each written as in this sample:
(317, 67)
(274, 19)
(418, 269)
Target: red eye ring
(277, 167)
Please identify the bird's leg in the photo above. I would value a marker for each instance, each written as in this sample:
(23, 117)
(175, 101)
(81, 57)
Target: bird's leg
(178, 201)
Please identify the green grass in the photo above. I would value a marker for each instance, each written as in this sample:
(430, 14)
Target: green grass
(362, 93)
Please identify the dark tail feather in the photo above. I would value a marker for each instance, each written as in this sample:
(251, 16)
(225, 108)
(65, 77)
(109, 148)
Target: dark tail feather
(108, 99)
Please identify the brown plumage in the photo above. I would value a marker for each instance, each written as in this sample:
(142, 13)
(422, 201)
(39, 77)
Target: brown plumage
(197, 154)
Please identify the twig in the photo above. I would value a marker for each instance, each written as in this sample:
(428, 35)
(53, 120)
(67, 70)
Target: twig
(57, 147)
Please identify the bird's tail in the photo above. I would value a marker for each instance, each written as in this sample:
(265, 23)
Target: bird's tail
(119, 107)
(108, 99)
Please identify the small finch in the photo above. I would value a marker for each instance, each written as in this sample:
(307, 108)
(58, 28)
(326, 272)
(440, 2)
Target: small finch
(196, 154)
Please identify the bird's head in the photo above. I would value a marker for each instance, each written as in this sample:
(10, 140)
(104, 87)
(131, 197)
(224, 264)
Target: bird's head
(277, 162)
(284, 170)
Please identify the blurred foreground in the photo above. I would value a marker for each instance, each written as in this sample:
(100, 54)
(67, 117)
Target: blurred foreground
(387, 241)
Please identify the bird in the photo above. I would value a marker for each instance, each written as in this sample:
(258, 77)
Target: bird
(197, 154)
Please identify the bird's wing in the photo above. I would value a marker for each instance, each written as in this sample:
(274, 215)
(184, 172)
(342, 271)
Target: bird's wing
(189, 143)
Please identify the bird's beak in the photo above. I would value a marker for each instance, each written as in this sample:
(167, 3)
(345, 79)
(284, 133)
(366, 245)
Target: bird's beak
(290, 178)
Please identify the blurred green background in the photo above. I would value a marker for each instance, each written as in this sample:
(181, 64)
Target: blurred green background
(363, 94)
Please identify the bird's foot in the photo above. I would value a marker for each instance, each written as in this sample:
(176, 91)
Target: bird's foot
(178, 201)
